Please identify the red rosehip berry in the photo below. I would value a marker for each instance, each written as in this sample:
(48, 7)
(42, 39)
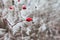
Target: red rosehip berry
(11, 7)
(29, 19)
(18, 0)
(24, 7)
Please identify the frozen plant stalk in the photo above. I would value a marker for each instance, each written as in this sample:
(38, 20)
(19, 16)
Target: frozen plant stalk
(46, 10)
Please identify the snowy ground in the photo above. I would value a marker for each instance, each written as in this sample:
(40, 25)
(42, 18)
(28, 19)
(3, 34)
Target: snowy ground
(44, 16)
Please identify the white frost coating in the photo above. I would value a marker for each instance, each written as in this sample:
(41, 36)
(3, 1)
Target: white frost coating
(21, 2)
(35, 20)
(4, 12)
(28, 30)
(27, 23)
(42, 28)
(2, 31)
(0, 10)
(6, 36)
(16, 28)
(10, 21)
(5, 1)
(24, 14)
